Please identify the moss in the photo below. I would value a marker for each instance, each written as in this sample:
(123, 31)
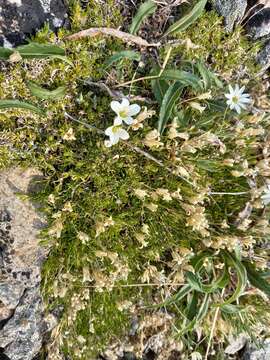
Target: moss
(87, 185)
(227, 54)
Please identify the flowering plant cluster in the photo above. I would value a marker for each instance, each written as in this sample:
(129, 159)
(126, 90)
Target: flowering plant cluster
(125, 113)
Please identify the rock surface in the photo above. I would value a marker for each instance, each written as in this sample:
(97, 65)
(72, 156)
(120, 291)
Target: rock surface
(21, 256)
(232, 11)
(251, 353)
(258, 25)
(21, 18)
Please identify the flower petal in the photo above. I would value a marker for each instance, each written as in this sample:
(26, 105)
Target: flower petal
(109, 131)
(237, 108)
(134, 109)
(125, 103)
(123, 134)
(245, 100)
(231, 89)
(228, 96)
(242, 89)
(117, 121)
(129, 120)
(114, 139)
(116, 106)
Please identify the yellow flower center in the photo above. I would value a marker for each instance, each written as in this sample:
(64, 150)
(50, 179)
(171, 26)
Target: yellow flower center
(123, 113)
(235, 99)
(116, 128)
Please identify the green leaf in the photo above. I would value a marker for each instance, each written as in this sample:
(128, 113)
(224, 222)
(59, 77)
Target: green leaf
(146, 9)
(256, 279)
(208, 165)
(194, 281)
(36, 50)
(42, 93)
(7, 104)
(208, 76)
(168, 103)
(159, 88)
(241, 276)
(231, 309)
(202, 312)
(178, 296)
(5, 53)
(192, 306)
(186, 78)
(126, 54)
(188, 19)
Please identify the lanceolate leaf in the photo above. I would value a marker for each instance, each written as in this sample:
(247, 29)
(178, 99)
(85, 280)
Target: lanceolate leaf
(170, 98)
(188, 19)
(42, 93)
(186, 78)
(202, 312)
(35, 50)
(126, 54)
(186, 289)
(5, 53)
(7, 104)
(146, 9)
(159, 88)
(208, 76)
(241, 276)
(256, 279)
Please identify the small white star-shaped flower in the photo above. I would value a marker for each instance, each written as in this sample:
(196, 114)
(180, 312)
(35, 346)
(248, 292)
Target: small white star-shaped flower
(237, 99)
(124, 111)
(115, 133)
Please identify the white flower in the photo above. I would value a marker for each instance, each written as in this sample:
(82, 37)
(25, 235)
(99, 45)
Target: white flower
(124, 111)
(237, 100)
(266, 197)
(115, 133)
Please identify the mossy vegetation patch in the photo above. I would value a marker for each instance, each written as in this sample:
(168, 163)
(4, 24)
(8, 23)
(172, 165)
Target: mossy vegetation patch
(128, 229)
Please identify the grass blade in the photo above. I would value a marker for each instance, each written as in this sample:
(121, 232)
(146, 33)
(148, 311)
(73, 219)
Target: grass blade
(42, 93)
(188, 19)
(8, 104)
(146, 9)
(168, 103)
(126, 54)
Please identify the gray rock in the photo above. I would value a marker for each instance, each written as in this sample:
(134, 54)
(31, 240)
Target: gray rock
(21, 312)
(251, 353)
(232, 11)
(21, 18)
(264, 55)
(258, 25)
(236, 344)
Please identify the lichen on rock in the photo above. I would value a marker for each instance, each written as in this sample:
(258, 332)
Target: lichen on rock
(21, 256)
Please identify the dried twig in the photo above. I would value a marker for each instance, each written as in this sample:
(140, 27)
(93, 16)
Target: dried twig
(128, 38)
(115, 94)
